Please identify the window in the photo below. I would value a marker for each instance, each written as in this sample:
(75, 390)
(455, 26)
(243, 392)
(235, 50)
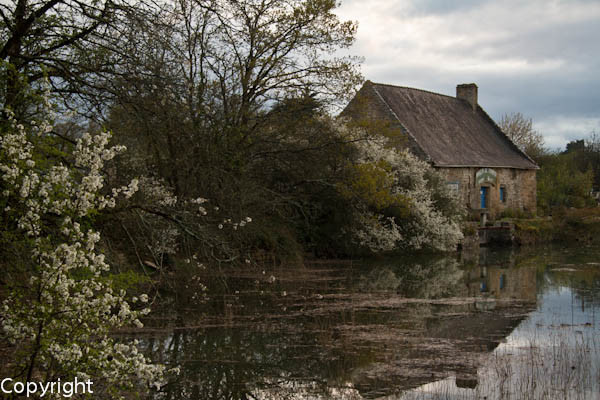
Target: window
(453, 188)
(502, 194)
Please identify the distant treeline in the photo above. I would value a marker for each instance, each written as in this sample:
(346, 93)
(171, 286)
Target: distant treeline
(565, 179)
(570, 178)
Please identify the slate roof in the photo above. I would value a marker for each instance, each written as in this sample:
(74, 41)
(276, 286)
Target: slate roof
(444, 129)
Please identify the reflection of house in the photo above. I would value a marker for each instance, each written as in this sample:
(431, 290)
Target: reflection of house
(497, 275)
(503, 283)
(480, 163)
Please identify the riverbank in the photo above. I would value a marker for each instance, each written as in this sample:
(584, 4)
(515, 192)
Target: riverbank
(565, 226)
(568, 226)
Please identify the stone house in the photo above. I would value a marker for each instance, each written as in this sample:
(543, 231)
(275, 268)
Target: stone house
(485, 169)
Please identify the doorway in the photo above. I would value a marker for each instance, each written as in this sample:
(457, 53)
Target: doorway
(483, 191)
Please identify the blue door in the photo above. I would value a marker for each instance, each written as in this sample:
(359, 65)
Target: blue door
(484, 196)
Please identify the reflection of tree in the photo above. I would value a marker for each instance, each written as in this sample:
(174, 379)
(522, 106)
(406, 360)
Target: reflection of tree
(230, 363)
(584, 282)
(588, 292)
(344, 333)
(559, 266)
(209, 369)
(440, 279)
(382, 278)
(437, 279)
(216, 363)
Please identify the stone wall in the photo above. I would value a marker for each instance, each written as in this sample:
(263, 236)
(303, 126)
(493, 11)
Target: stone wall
(519, 188)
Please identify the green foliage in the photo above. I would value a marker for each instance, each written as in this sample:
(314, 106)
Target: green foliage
(443, 200)
(511, 213)
(397, 201)
(130, 281)
(591, 157)
(579, 225)
(532, 231)
(469, 229)
(278, 240)
(565, 226)
(562, 183)
(373, 183)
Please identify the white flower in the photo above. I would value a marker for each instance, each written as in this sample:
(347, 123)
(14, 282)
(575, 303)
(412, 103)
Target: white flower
(427, 225)
(82, 308)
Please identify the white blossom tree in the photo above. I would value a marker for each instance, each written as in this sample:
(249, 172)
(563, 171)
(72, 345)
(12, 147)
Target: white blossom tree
(399, 200)
(59, 309)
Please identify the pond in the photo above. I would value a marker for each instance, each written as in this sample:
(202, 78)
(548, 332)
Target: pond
(494, 324)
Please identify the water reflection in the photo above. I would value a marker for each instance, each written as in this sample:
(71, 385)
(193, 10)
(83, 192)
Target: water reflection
(497, 274)
(358, 331)
(554, 353)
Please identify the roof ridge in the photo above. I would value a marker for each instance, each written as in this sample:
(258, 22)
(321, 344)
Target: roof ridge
(415, 89)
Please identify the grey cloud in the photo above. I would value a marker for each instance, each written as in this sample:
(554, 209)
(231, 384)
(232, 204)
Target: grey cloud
(535, 57)
(440, 7)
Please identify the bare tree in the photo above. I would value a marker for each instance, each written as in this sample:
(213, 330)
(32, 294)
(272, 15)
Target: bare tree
(520, 130)
(200, 77)
(72, 44)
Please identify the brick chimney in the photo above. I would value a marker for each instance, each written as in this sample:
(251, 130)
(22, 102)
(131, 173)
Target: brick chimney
(468, 92)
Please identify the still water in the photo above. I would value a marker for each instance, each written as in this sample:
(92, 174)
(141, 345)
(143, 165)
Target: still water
(494, 324)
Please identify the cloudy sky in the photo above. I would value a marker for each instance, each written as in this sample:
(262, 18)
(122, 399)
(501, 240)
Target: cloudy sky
(537, 57)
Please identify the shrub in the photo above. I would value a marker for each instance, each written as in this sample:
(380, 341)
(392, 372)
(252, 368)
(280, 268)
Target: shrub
(398, 200)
